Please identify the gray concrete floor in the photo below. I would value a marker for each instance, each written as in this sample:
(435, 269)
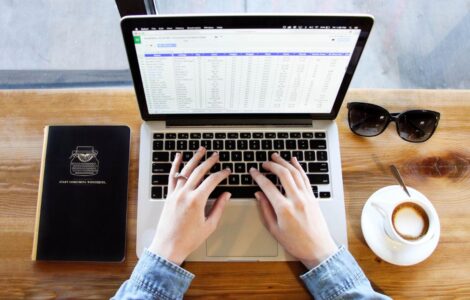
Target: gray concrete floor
(414, 44)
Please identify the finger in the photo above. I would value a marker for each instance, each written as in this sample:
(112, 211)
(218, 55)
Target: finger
(217, 210)
(208, 185)
(268, 216)
(175, 166)
(191, 165)
(294, 172)
(284, 175)
(297, 165)
(198, 174)
(269, 189)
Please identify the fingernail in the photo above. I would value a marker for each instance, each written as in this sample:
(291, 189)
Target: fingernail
(257, 195)
(200, 148)
(252, 169)
(275, 154)
(215, 153)
(177, 155)
(228, 169)
(294, 158)
(229, 196)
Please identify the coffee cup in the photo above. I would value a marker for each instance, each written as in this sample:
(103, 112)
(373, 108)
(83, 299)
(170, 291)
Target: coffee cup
(409, 221)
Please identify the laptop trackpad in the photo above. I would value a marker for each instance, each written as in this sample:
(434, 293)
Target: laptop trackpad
(241, 233)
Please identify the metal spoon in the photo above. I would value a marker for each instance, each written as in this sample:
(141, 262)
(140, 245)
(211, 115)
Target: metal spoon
(397, 176)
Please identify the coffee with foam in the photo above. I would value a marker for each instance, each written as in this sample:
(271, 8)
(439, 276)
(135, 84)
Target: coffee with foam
(410, 221)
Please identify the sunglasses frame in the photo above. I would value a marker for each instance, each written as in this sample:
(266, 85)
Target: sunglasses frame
(393, 117)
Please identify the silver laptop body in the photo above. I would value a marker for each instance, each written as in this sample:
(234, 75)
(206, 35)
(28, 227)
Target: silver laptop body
(251, 76)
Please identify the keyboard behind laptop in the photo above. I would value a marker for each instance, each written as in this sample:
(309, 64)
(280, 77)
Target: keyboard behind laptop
(241, 151)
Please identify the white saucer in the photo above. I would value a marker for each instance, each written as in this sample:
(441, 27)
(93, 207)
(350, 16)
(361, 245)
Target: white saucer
(381, 244)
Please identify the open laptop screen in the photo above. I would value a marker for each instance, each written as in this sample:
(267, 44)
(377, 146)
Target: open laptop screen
(217, 69)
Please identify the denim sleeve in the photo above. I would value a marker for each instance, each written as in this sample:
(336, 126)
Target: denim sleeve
(339, 277)
(155, 278)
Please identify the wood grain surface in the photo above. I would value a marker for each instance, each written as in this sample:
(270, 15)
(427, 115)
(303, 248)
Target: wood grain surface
(440, 168)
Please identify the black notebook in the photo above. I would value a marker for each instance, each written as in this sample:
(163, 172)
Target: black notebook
(82, 199)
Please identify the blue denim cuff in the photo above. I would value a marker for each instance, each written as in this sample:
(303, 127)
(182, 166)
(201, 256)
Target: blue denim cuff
(335, 276)
(160, 277)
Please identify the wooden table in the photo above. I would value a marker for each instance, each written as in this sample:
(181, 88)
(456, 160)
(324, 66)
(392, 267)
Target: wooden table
(440, 168)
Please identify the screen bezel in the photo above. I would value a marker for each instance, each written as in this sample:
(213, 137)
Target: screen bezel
(128, 24)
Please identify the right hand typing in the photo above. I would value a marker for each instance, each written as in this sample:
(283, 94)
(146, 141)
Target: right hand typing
(295, 219)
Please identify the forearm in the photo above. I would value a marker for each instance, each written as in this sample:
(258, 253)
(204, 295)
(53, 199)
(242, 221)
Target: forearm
(339, 277)
(155, 278)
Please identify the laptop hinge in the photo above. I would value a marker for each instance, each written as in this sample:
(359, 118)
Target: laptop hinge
(205, 122)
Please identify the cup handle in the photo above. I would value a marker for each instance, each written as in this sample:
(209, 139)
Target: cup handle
(380, 208)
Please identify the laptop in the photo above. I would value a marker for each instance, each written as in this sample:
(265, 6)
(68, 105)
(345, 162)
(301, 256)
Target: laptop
(245, 86)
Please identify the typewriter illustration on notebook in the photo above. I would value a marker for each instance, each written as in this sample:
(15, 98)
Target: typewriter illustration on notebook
(84, 161)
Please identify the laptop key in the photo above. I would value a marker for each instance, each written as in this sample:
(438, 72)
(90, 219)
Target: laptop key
(240, 168)
(215, 168)
(307, 135)
(248, 156)
(320, 135)
(183, 135)
(160, 156)
(165, 192)
(286, 155)
(227, 166)
(298, 154)
(193, 145)
(236, 191)
(224, 156)
(317, 144)
(157, 145)
(295, 135)
(246, 179)
(266, 144)
(220, 135)
(302, 144)
(272, 178)
(229, 145)
(270, 135)
(291, 144)
(218, 145)
(261, 156)
(322, 155)
(208, 135)
(236, 155)
(170, 145)
(310, 155)
(195, 135)
(161, 168)
(181, 145)
(158, 136)
(245, 135)
(270, 154)
(157, 192)
(283, 135)
(318, 179)
(254, 145)
(242, 144)
(173, 155)
(234, 179)
(170, 136)
(159, 179)
(187, 155)
(304, 166)
(317, 167)
(257, 135)
(325, 195)
(206, 144)
(233, 135)
(251, 165)
(279, 144)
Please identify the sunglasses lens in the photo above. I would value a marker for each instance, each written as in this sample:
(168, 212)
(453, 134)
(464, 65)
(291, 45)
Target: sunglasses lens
(366, 119)
(417, 126)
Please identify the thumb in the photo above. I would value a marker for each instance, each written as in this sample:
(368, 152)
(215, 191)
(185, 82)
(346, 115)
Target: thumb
(217, 209)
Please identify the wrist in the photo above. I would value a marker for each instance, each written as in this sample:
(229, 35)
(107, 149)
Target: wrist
(320, 255)
(167, 253)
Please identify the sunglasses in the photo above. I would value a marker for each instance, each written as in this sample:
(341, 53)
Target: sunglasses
(415, 126)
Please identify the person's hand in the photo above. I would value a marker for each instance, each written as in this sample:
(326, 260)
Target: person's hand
(183, 225)
(295, 219)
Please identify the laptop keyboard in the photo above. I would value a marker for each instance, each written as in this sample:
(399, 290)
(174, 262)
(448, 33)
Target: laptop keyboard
(241, 151)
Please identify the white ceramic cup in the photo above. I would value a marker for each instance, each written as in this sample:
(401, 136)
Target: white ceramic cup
(423, 217)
